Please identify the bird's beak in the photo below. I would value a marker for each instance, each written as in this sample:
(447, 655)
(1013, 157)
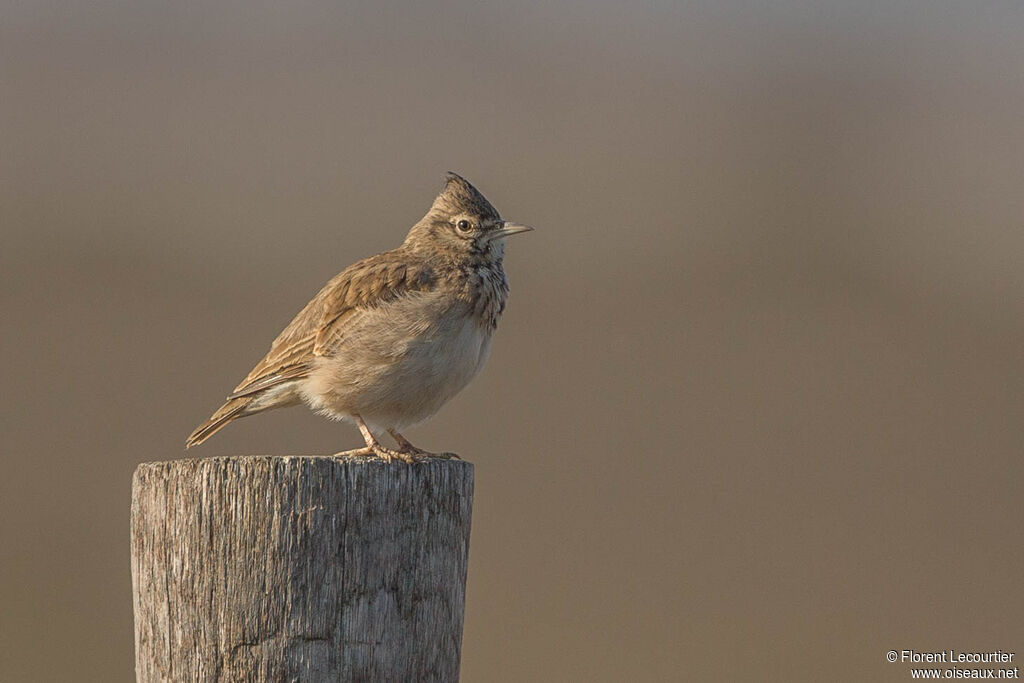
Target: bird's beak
(509, 228)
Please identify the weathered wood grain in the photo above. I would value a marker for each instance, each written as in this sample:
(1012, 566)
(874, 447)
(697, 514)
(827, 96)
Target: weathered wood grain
(260, 568)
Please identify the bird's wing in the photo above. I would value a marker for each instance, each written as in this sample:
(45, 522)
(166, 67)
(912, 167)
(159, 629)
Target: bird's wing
(367, 283)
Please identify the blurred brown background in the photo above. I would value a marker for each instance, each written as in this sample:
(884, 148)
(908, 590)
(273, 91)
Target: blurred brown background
(754, 412)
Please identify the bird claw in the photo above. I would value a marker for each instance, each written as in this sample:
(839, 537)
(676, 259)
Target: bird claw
(444, 456)
(354, 453)
(391, 455)
(427, 455)
(406, 452)
(405, 446)
(385, 454)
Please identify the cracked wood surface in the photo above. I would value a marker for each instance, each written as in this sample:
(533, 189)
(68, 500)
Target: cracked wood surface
(261, 568)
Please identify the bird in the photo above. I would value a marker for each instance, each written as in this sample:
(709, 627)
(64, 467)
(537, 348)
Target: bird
(393, 337)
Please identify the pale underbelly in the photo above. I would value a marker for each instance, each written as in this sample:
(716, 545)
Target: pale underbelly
(395, 373)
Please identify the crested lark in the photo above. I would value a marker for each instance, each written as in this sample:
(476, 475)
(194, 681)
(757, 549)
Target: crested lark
(389, 340)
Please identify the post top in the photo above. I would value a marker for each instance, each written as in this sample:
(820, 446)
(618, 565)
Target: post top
(321, 464)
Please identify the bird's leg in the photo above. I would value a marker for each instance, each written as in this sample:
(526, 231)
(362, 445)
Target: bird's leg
(405, 446)
(374, 447)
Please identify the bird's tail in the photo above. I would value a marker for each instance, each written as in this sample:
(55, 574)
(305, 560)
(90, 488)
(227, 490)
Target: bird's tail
(233, 409)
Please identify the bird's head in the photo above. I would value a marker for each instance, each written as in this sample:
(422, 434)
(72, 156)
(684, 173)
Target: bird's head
(462, 224)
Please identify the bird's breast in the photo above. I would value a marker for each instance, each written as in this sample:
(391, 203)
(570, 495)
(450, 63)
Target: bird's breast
(401, 362)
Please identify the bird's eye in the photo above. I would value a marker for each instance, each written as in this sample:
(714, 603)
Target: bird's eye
(464, 225)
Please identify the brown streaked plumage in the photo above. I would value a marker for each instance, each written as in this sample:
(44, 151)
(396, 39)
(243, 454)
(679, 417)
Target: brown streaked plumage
(394, 336)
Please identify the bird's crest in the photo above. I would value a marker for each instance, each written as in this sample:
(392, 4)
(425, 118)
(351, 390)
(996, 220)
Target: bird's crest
(459, 196)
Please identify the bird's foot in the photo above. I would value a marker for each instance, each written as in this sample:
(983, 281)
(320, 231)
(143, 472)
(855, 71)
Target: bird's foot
(390, 455)
(364, 452)
(420, 453)
(386, 454)
(405, 446)
(441, 456)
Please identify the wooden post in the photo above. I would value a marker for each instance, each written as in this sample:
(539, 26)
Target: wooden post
(260, 568)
